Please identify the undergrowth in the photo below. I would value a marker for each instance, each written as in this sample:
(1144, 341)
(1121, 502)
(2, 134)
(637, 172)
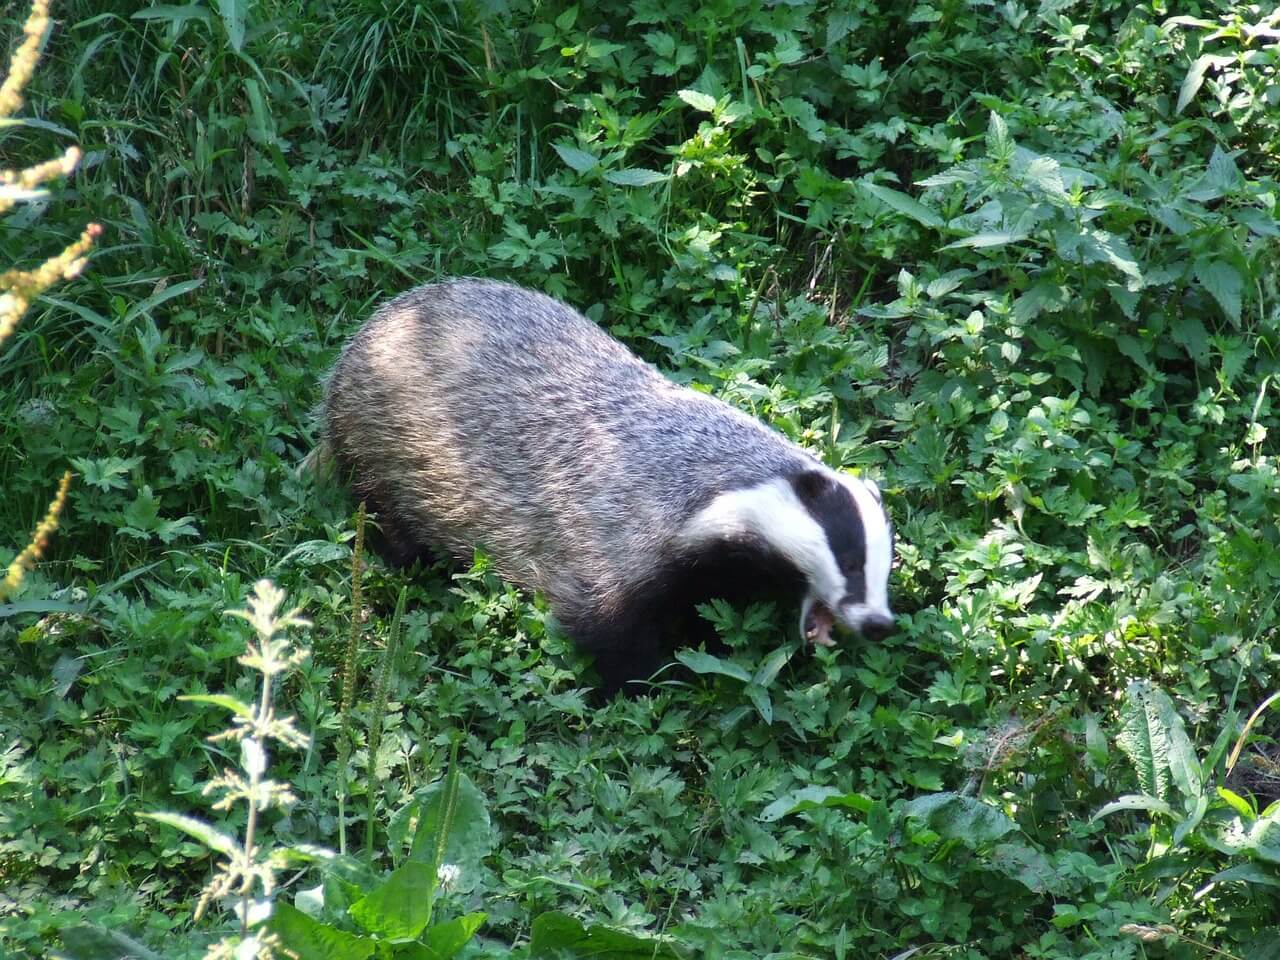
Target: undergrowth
(1017, 262)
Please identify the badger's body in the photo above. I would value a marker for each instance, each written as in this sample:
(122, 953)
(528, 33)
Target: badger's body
(472, 413)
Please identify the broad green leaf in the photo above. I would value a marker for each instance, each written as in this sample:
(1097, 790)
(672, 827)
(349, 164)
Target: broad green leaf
(471, 835)
(1193, 80)
(700, 662)
(401, 907)
(314, 940)
(906, 205)
(1135, 801)
(579, 160)
(211, 837)
(1237, 803)
(174, 13)
(444, 940)
(88, 941)
(811, 798)
(699, 101)
(988, 239)
(635, 177)
(1224, 284)
(1250, 873)
(1189, 332)
(956, 817)
(557, 935)
(1154, 739)
(1028, 866)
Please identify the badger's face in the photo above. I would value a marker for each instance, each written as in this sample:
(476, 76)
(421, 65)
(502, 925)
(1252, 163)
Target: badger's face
(847, 566)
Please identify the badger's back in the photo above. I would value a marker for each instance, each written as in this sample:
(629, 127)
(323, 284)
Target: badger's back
(474, 413)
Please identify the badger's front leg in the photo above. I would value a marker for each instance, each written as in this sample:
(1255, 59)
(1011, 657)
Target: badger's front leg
(627, 646)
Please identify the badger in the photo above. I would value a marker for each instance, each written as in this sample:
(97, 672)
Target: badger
(472, 413)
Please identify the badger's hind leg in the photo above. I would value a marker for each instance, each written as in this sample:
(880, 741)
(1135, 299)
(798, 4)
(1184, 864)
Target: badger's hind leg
(387, 535)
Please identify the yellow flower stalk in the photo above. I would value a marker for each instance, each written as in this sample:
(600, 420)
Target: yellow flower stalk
(23, 62)
(19, 287)
(39, 540)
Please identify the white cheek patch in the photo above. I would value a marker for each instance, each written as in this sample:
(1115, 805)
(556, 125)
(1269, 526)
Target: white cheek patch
(773, 512)
(879, 543)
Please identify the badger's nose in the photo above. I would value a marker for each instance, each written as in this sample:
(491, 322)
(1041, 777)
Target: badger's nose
(877, 626)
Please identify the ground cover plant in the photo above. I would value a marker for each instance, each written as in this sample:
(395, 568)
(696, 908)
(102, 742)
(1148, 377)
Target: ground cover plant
(1016, 261)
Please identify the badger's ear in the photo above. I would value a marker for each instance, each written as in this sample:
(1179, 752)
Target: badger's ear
(810, 485)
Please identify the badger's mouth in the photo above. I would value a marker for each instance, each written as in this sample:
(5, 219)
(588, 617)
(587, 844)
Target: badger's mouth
(816, 623)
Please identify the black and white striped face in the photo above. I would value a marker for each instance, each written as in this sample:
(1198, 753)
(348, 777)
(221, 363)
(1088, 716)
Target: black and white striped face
(832, 528)
(849, 579)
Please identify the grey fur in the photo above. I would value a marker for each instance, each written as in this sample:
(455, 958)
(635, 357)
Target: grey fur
(475, 413)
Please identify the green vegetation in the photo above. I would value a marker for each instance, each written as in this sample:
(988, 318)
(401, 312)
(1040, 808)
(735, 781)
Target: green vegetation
(1019, 262)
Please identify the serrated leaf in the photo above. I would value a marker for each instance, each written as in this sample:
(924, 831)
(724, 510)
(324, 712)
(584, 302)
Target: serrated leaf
(704, 663)
(1224, 284)
(211, 837)
(956, 817)
(578, 160)
(811, 798)
(698, 100)
(1189, 333)
(1041, 296)
(899, 201)
(307, 937)
(635, 177)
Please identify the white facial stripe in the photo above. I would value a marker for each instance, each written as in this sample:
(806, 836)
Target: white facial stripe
(773, 512)
(879, 558)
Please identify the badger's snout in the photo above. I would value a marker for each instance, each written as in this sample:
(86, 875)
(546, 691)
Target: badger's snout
(875, 626)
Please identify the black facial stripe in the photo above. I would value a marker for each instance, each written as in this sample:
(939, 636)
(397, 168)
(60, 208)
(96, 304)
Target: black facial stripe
(832, 505)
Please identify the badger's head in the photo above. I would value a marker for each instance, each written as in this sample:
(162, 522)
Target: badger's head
(831, 528)
(843, 544)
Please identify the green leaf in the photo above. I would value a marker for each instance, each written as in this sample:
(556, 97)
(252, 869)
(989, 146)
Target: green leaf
(237, 707)
(956, 817)
(700, 662)
(88, 941)
(772, 666)
(147, 304)
(1192, 81)
(211, 837)
(699, 101)
(1189, 332)
(811, 798)
(470, 834)
(557, 935)
(1028, 866)
(579, 160)
(1224, 284)
(232, 13)
(444, 940)
(310, 938)
(759, 697)
(899, 201)
(988, 239)
(1136, 801)
(1154, 739)
(634, 177)
(401, 907)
